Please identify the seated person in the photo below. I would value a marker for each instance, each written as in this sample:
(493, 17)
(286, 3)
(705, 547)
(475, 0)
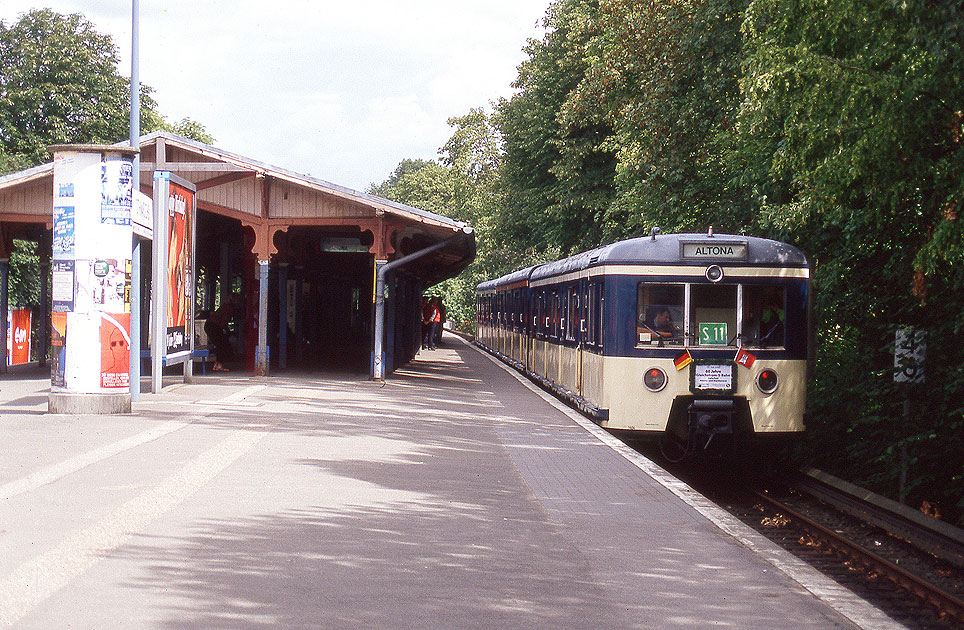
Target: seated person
(771, 323)
(661, 323)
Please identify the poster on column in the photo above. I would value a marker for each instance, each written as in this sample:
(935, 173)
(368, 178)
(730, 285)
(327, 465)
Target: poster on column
(180, 210)
(117, 190)
(115, 350)
(58, 349)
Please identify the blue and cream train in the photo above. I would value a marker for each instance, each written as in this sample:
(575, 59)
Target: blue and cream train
(700, 339)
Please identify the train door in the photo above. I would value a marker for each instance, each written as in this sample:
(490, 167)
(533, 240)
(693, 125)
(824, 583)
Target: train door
(581, 307)
(528, 328)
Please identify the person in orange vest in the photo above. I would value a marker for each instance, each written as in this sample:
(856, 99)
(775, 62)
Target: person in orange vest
(432, 318)
(441, 322)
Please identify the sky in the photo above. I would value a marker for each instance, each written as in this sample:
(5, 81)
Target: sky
(341, 91)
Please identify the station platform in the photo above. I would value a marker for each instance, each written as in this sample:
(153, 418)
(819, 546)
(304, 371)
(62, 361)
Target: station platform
(453, 495)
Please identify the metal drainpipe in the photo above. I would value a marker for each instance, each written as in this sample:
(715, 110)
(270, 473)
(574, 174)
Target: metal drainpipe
(378, 368)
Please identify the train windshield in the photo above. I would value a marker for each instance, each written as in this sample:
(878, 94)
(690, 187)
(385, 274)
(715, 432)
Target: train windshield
(659, 314)
(763, 314)
(713, 314)
(710, 315)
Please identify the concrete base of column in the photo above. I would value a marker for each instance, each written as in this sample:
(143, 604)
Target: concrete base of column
(60, 402)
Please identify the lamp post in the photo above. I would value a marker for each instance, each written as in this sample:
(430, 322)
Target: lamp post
(135, 138)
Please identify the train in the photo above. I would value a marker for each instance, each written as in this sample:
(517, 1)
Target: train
(700, 340)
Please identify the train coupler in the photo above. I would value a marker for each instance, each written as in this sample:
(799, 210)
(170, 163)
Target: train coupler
(710, 420)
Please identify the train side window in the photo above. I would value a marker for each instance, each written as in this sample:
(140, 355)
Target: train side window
(713, 314)
(600, 309)
(563, 314)
(554, 315)
(572, 319)
(517, 310)
(659, 314)
(590, 313)
(764, 308)
(541, 314)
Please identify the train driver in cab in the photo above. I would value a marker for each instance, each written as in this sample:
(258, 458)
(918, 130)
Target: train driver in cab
(661, 323)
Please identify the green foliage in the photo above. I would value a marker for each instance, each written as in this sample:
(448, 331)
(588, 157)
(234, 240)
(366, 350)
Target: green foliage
(25, 276)
(557, 172)
(462, 184)
(663, 75)
(59, 84)
(851, 127)
(10, 163)
(187, 128)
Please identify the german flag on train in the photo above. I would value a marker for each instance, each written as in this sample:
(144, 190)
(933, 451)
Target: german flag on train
(744, 358)
(683, 360)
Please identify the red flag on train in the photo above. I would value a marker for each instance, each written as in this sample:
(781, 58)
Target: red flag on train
(683, 360)
(744, 358)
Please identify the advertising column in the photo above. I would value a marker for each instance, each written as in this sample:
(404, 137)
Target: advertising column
(91, 275)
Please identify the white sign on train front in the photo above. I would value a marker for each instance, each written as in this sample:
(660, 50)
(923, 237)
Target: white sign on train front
(736, 251)
(713, 376)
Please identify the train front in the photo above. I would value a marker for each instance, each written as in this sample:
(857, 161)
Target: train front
(720, 344)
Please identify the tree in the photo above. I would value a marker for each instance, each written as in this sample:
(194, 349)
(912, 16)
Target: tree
(187, 128)
(851, 128)
(664, 76)
(557, 173)
(463, 184)
(59, 84)
(11, 162)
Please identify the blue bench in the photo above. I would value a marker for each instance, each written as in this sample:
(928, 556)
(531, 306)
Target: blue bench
(202, 352)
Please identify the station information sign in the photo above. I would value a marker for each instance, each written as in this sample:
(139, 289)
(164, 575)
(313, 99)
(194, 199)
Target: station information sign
(910, 350)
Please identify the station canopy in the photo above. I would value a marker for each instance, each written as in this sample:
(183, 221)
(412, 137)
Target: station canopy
(276, 209)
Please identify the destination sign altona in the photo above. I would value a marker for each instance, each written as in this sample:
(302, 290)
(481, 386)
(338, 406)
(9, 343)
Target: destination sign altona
(724, 250)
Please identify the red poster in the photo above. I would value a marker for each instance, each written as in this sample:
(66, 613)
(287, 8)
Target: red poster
(180, 205)
(115, 349)
(18, 337)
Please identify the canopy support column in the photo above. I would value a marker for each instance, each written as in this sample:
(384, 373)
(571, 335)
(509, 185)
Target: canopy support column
(261, 354)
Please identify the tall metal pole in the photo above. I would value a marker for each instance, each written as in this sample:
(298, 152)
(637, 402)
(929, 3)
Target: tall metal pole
(135, 139)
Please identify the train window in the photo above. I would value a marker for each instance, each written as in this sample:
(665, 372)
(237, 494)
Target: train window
(713, 314)
(763, 313)
(600, 303)
(554, 315)
(590, 314)
(517, 309)
(541, 315)
(564, 313)
(573, 318)
(659, 314)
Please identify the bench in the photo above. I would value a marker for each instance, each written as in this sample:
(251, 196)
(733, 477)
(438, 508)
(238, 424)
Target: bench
(201, 352)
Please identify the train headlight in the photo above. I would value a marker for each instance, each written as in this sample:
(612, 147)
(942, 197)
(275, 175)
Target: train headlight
(714, 273)
(655, 379)
(767, 380)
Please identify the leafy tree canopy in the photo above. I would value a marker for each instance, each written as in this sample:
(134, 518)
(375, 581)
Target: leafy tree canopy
(59, 84)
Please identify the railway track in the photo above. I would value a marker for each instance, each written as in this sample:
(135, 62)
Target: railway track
(875, 544)
(908, 564)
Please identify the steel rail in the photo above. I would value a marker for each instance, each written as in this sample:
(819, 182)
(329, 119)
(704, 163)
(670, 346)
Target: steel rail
(945, 602)
(924, 532)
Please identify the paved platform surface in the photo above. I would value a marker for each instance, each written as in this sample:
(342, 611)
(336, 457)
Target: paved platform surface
(451, 496)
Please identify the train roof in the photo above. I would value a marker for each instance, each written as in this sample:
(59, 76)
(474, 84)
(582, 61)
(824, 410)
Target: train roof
(663, 249)
(516, 277)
